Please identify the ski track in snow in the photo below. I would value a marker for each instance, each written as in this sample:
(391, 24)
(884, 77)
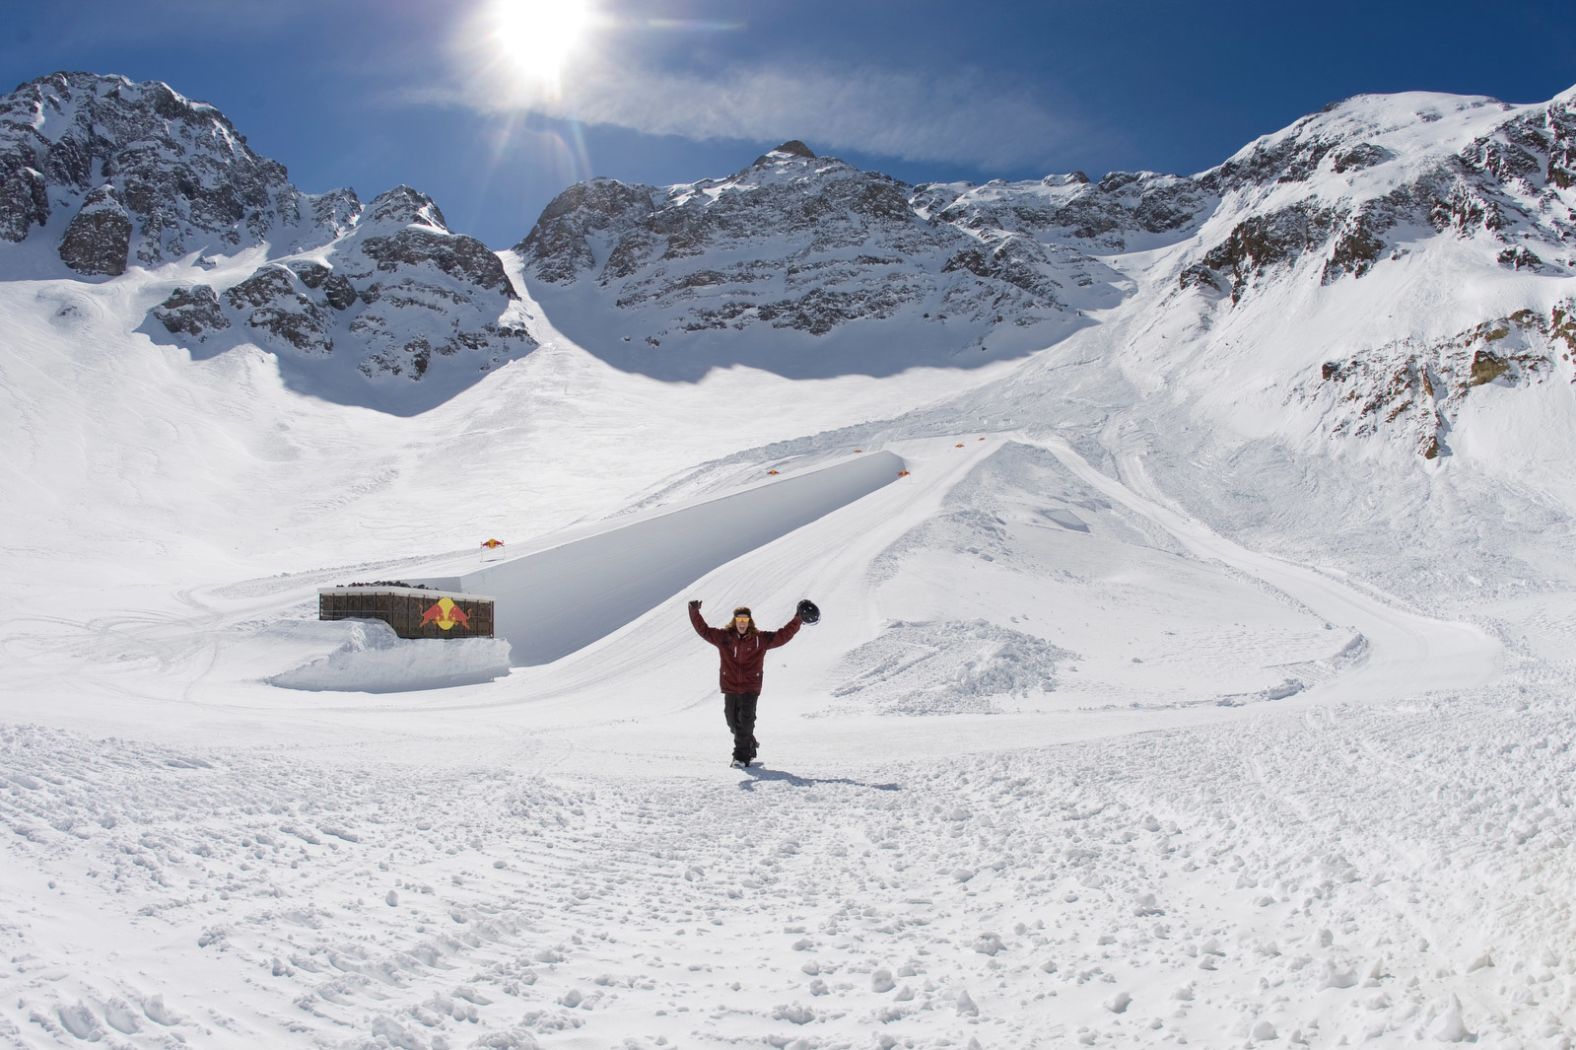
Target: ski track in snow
(1133, 892)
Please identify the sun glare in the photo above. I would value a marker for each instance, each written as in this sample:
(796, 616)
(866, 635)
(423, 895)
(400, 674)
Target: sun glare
(540, 36)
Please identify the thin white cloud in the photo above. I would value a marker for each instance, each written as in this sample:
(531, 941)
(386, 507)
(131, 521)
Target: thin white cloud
(955, 116)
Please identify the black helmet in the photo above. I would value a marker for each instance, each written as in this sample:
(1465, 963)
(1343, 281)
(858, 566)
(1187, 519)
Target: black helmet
(808, 612)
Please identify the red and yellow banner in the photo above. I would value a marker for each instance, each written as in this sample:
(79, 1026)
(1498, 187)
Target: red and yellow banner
(445, 614)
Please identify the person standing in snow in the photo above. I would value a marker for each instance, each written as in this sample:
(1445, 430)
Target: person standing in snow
(743, 652)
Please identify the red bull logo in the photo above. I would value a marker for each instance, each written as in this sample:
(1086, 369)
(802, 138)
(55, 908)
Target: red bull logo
(445, 614)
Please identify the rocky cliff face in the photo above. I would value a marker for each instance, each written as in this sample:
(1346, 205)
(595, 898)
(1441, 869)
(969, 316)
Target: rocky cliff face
(123, 173)
(1415, 390)
(808, 265)
(115, 174)
(398, 294)
(1352, 186)
(792, 243)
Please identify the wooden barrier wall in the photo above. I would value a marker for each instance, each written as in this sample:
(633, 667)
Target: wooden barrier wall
(411, 611)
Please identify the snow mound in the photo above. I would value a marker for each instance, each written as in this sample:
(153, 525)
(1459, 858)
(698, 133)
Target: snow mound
(376, 660)
(945, 667)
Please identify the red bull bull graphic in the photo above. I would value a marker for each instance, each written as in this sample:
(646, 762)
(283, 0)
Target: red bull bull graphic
(413, 611)
(446, 615)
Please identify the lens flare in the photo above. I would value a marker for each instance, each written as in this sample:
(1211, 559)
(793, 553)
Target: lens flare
(539, 37)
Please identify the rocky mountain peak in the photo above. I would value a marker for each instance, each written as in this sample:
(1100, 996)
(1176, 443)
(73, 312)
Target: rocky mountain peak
(182, 175)
(791, 148)
(795, 243)
(1346, 188)
(405, 206)
(387, 307)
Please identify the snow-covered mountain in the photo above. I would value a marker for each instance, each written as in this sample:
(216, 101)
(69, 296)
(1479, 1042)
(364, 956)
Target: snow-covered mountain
(399, 290)
(358, 304)
(1457, 188)
(1414, 190)
(710, 272)
(116, 173)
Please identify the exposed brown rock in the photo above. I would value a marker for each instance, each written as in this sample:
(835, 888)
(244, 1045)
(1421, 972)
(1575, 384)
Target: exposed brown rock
(99, 238)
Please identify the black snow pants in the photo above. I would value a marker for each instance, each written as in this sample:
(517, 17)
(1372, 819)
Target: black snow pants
(739, 709)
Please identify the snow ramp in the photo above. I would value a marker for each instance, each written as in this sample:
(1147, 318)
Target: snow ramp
(553, 602)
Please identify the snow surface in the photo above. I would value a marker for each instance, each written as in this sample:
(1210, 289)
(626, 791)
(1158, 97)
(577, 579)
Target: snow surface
(373, 659)
(1136, 717)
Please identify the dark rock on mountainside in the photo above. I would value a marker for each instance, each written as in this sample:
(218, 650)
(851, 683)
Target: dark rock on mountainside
(24, 194)
(1503, 184)
(791, 148)
(400, 293)
(559, 245)
(794, 242)
(271, 302)
(191, 311)
(1260, 243)
(99, 236)
(463, 258)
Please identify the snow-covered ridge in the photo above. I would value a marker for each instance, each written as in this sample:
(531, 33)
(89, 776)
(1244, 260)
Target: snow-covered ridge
(399, 313)
(809, 267)
(358, 307)
(121, 173)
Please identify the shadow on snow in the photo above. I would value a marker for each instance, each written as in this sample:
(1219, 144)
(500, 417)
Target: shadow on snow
(758, 774)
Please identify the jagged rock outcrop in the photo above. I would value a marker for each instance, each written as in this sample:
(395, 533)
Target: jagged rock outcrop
(397, 293)
(559, 245)
(1503, 183)
(271, 301)
(99, 236)
(181, 177)
(191, 311)
(793, 242)
(1417, 389)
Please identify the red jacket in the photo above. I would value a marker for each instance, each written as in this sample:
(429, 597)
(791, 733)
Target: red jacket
(743, 655)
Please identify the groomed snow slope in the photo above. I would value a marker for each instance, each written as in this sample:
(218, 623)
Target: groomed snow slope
(561, 599)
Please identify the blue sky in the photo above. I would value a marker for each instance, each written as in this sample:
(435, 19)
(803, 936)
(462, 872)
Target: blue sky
(373, 93)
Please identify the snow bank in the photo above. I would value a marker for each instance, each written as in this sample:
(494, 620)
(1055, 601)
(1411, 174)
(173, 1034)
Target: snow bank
(376, 660)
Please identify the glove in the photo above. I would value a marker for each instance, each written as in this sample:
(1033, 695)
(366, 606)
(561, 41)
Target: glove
(808, 613)
(694, 603)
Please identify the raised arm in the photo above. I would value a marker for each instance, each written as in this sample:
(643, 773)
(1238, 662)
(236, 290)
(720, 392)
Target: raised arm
(781, 636)
(713, 635)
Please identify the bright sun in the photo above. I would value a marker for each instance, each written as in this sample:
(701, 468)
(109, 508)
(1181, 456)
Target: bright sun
(540, 36)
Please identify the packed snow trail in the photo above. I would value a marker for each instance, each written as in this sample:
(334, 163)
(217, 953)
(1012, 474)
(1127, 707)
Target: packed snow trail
(1408, 653)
